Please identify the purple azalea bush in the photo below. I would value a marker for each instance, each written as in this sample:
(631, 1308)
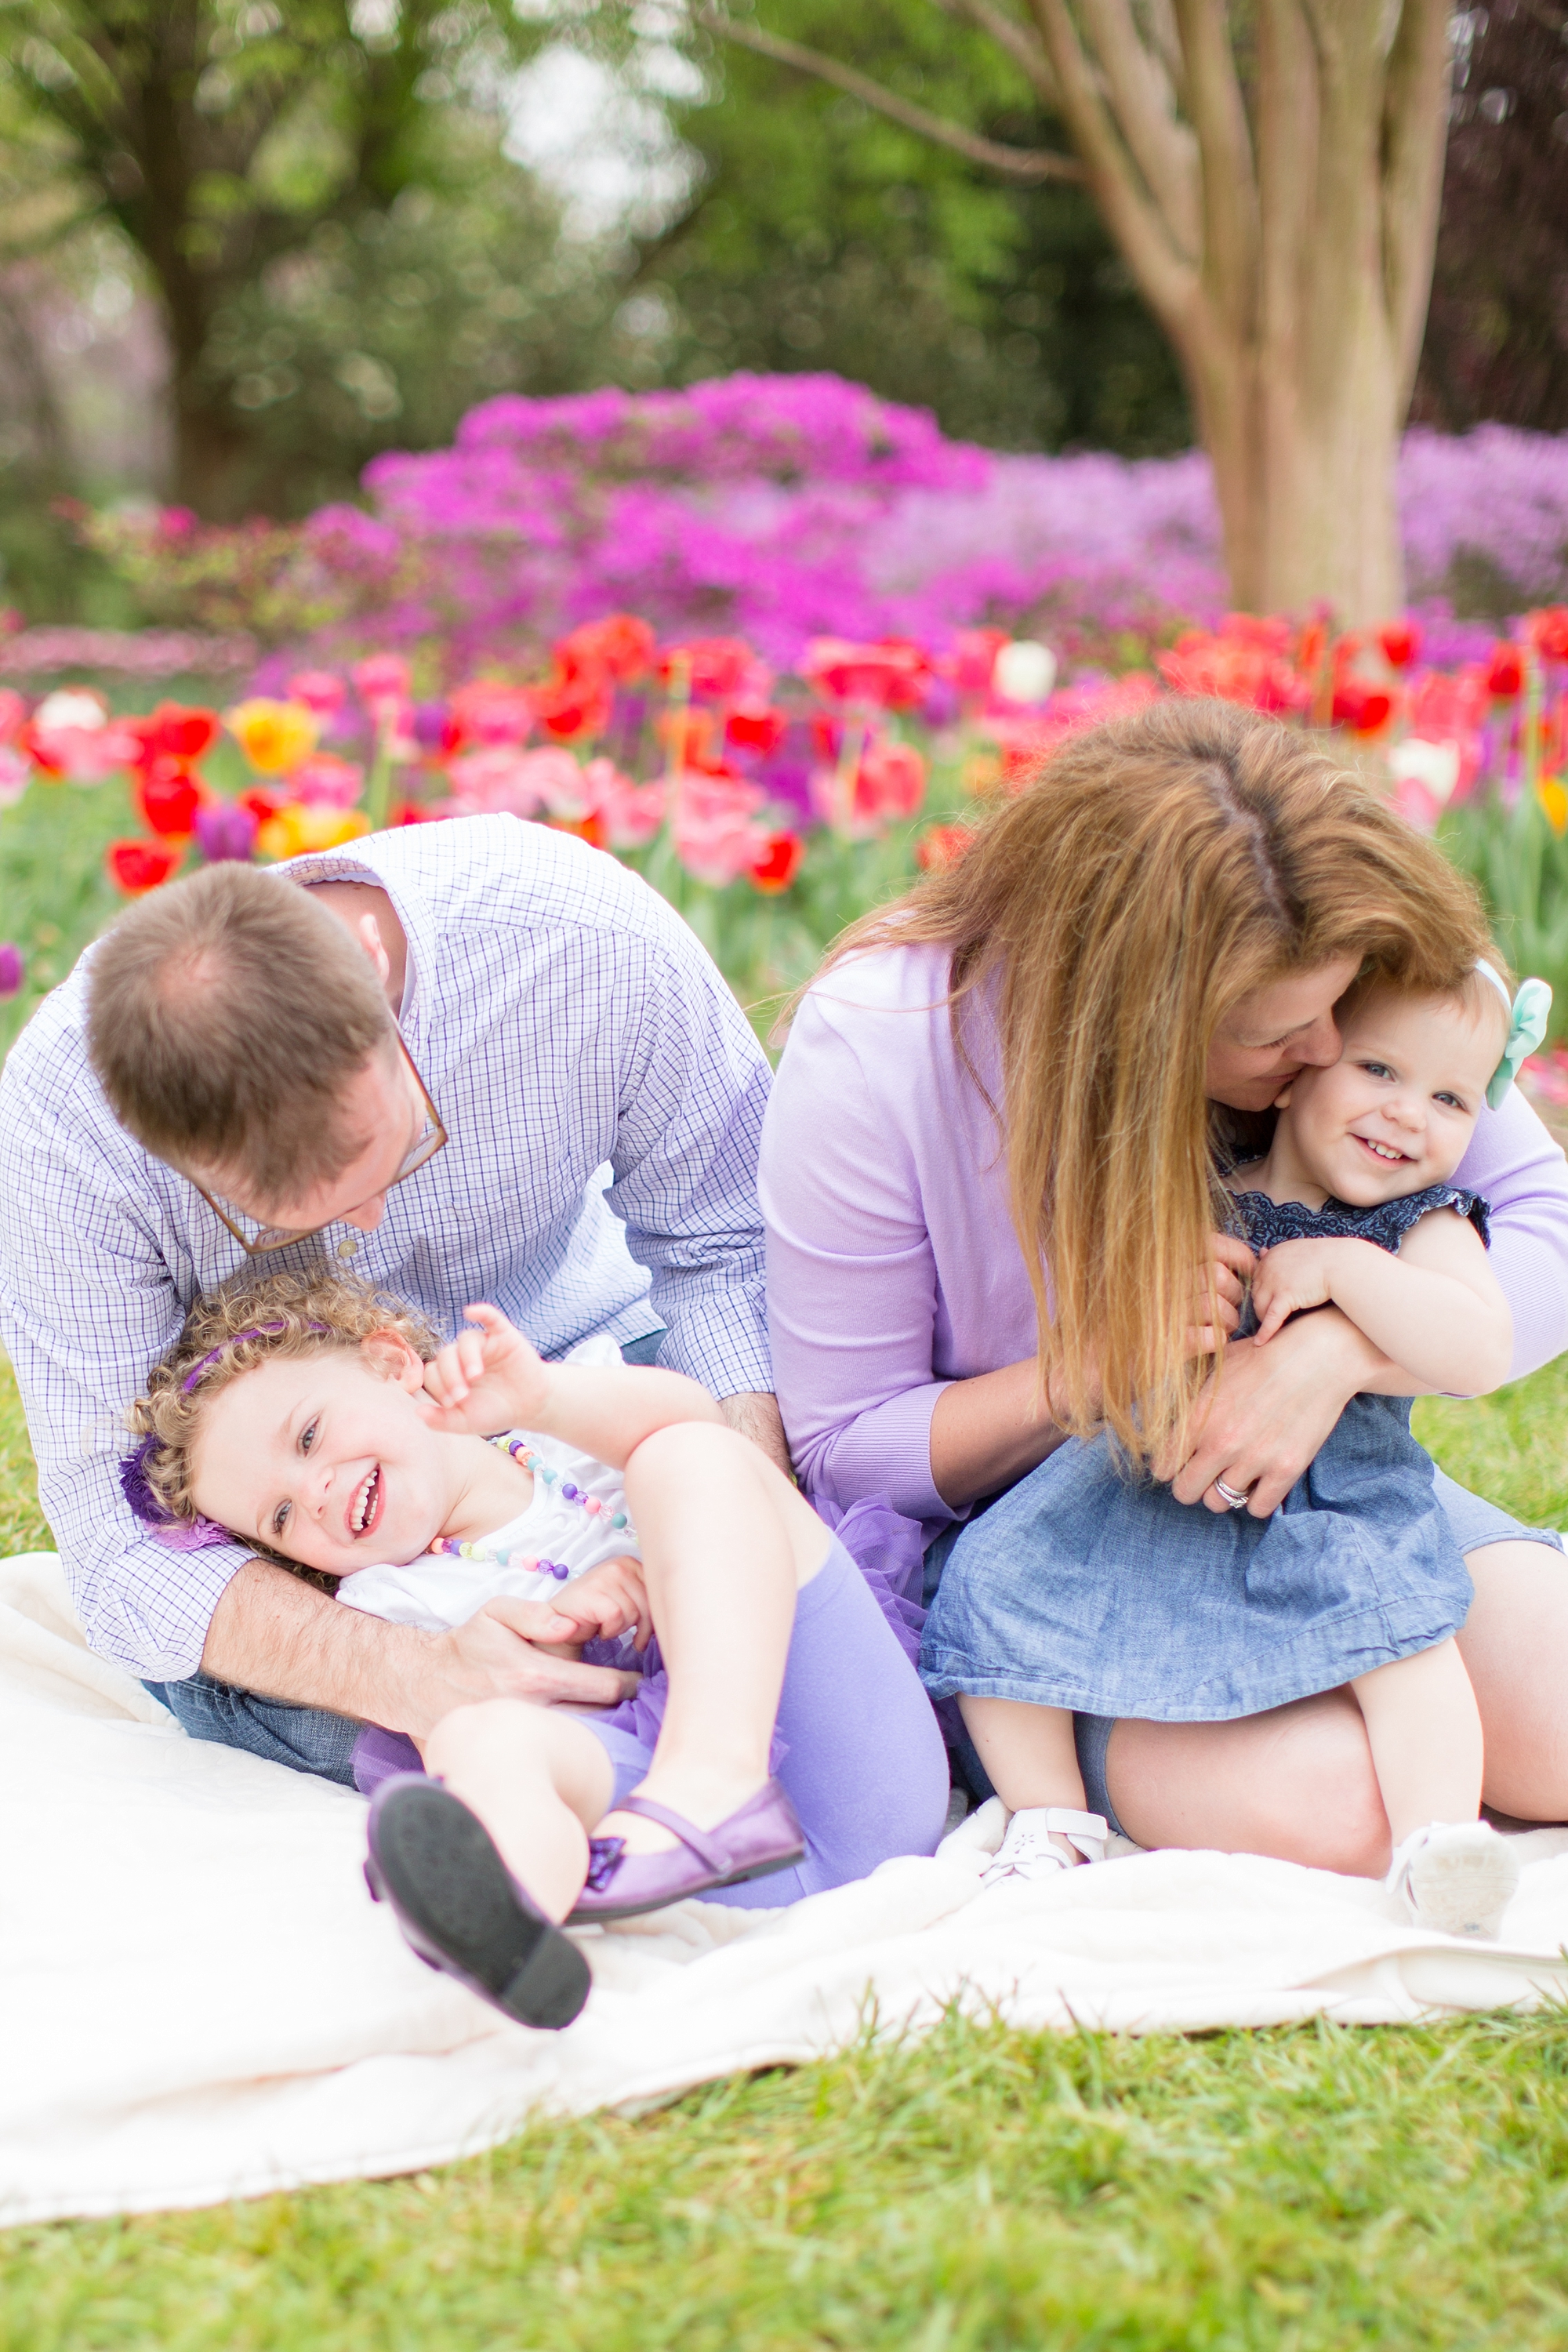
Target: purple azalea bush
(784, 508)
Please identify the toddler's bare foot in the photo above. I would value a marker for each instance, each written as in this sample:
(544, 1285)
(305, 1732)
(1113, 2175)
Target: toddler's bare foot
(1457, 1877)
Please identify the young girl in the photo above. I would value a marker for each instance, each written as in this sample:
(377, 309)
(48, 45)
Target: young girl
(1149, 1608)
(779, 1732)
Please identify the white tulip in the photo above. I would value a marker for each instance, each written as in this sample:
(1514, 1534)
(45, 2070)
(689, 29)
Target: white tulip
(1025, 671)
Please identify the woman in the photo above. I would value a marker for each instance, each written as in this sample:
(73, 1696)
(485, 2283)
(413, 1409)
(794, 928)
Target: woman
(1026, 1063)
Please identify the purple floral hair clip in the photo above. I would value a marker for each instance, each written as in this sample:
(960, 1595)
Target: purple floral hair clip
(179, 1535)
(184, 1535)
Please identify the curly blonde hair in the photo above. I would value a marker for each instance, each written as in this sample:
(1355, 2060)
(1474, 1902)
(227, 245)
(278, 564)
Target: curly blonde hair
(250, 1322)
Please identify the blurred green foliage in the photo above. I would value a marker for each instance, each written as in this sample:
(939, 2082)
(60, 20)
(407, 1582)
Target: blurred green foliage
(821, 235)
(1521, 865)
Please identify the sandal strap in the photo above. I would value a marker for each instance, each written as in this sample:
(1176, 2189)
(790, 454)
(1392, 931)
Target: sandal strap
(710, 1855)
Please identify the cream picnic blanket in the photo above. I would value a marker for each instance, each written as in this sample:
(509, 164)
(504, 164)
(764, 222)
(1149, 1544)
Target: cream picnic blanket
(198, 1999)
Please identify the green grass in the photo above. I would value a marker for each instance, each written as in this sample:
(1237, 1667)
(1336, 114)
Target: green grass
(1304, 2189)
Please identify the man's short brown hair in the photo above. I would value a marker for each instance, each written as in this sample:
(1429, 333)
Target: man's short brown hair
(225, 1015)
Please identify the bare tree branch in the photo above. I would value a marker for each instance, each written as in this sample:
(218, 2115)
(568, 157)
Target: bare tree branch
(1229, 175)
(1415, 119)
(1020, 42)
(1168, 281)
(1032, 165)
(1163, 149)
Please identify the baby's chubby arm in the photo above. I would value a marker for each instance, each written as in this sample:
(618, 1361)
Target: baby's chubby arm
(493, 1378)
(1435, 1309)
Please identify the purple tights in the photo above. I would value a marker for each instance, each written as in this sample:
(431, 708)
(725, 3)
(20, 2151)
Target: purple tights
(865, 1768)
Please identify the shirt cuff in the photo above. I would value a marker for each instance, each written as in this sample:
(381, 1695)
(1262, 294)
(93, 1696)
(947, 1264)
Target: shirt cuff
(886, 1451)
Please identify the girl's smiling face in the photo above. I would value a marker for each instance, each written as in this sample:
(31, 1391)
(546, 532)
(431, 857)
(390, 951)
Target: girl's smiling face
(1396, 1113)
(327, 1458)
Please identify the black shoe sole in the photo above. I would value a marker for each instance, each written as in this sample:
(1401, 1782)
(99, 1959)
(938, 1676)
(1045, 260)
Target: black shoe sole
(434, 1861)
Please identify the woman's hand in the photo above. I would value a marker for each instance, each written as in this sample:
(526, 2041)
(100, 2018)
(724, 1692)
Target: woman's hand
(1262, 1417)
(484, 1381)
(1227, 1269)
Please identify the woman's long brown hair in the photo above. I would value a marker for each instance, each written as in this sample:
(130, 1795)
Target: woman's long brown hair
(1158, 870)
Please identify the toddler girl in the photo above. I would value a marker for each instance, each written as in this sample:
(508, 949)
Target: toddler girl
(780, 1733)
(1150, 1609)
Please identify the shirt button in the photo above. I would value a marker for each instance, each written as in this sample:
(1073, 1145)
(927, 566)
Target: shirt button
(347, 1246)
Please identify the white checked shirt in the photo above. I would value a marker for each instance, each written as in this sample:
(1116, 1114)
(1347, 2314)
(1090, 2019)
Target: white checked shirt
(563, 1016)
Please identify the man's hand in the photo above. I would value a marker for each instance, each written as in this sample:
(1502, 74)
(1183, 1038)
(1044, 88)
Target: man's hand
(491, 1658)
(1263, 1416)
(485, 1380)
(285, 1640)
(1295, 1276)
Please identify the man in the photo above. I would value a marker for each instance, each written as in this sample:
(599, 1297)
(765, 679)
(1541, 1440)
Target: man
(414, 1055)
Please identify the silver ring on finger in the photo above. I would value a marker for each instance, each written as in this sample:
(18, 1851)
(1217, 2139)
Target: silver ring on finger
(1229, 1497)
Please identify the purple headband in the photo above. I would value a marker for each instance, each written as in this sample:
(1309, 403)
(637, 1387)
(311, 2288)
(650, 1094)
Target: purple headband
(184, 1535)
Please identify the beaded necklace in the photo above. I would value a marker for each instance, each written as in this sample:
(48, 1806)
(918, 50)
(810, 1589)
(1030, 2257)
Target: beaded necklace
(529, 1563)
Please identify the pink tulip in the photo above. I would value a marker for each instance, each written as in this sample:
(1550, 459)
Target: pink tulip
(715, 831)
(630, 812)
(319, 690)
(501, 779)
(13, 712)
(323, 781)
(383, 681)
(15, 771)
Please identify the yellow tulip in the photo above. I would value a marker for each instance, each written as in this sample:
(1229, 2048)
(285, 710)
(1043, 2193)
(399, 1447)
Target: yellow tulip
(297, 828)
(1553, 799)
(274, 736)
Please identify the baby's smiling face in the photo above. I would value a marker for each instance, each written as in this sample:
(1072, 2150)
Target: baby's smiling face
(327, 1459)
(1396, 1113)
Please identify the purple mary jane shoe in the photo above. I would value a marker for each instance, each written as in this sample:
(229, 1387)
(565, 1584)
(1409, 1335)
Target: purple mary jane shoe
(461, 1910)
(764, 1835)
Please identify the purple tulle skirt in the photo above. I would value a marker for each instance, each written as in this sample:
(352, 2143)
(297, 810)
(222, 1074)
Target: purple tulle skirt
(884, 1547)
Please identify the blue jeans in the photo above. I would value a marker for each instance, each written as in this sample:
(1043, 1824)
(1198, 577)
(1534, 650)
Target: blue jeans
(306, 1739)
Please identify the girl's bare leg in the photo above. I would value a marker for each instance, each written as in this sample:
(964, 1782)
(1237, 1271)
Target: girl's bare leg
(1424, 1728)
(1297, 1782)
(1515, 1645)
(726, 1544)
(1029, 1753)
(538, 1780)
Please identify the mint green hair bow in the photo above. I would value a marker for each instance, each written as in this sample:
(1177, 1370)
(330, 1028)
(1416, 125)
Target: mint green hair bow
(1528, 1014)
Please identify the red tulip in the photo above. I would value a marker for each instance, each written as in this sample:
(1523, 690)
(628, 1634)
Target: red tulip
(620, 649)
(942, 846)
(569, 709)
(262, 804)
(170, 797)
(756, 727)
(890, 783)
(714, 666)
(137, 867)
(894, 673)
(1548, 632)
(1363, 708)
(1505, 673)
(1401, 642)
(777, 863)
(973, 657)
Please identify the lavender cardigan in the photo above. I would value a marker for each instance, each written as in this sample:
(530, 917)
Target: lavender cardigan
(892, 1263)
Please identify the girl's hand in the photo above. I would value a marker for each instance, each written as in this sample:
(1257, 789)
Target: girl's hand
(606, 1600)
(484, 1381)
(1293, 1276)
(1228, 1266)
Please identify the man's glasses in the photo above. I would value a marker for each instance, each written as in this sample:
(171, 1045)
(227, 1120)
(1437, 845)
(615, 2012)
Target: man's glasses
(425, 1145)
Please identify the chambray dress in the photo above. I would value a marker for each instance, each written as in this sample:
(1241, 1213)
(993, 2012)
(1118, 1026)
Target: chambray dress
(1094, 1589)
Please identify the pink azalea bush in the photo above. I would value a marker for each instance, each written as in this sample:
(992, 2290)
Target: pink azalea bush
(780, 510)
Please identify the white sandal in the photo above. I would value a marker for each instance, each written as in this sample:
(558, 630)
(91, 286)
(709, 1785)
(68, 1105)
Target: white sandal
(1026, 1851)
(1456, 1877)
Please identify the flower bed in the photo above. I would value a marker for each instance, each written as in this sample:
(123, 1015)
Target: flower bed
(771, 807)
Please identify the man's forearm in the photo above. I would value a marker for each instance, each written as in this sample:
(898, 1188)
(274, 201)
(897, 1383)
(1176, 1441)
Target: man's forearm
(755, 1413)
(272, 1634)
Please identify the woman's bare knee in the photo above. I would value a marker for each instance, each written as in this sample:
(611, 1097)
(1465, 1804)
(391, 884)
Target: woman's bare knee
(1296, 1783)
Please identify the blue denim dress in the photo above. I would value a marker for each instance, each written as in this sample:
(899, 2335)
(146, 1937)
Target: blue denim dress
(1090, 1588)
